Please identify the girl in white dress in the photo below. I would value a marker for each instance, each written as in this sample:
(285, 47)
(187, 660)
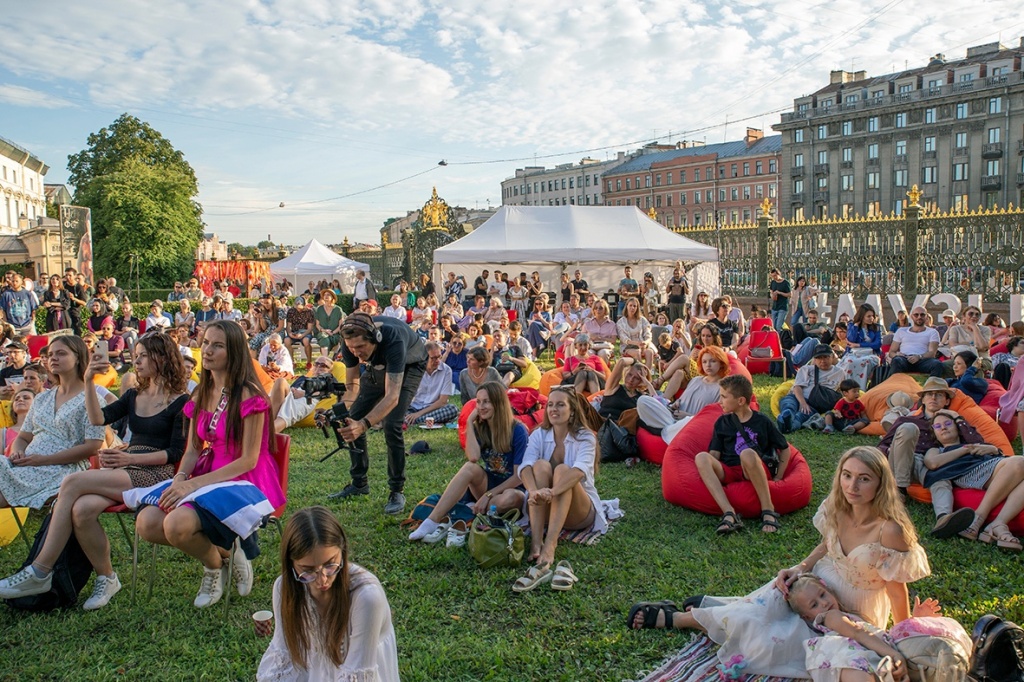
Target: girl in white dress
(332, 620)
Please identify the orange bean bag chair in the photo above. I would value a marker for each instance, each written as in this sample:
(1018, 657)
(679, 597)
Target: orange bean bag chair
(553, 377)
(681, 484)
(990, 403)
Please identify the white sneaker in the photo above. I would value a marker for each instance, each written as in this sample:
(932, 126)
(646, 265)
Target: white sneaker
(103, 589)
(241, 571)
(457, 534)
(24, 583)
(212, 587)
(438, 534)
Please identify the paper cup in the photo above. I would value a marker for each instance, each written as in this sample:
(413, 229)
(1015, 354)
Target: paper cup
(263, 622)
(430, 422)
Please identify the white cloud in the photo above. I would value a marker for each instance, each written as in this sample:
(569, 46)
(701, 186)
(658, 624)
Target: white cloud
(27, 97)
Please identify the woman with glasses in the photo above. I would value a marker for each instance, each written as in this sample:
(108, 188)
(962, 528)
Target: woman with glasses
(332, 620)
(970, 335)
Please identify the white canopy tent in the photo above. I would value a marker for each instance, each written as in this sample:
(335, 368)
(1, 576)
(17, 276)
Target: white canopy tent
(599, 240)
(314, 261)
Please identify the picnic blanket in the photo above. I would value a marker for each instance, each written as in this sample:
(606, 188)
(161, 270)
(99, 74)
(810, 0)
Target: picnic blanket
(698, 662)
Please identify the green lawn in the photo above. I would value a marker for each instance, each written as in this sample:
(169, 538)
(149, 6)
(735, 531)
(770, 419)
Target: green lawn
(454, 621)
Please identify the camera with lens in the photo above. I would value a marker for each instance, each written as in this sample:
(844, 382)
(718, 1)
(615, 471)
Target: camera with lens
(334, 418)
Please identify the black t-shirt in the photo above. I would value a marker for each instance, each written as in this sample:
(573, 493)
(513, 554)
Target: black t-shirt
(612, 406)
(677, 290)
(480, 286)
(399, 347)
(759, 433)
(11, 371)
(666, 354)
(782, 286)
(725, 329)
(580, 286)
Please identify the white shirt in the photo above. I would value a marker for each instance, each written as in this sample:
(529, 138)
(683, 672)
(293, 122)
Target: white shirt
(371, 649)
(580, 453)
(395, 311)
(915, 343)
(282, 358)
(432, 387)
(359, 290)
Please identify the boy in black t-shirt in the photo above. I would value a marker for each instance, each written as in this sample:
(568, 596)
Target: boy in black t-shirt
(745, 445)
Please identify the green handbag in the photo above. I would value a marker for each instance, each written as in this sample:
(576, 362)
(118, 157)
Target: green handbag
(496, 540)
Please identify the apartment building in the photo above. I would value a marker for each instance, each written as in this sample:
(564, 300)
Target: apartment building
(568, 184)
(21, 186)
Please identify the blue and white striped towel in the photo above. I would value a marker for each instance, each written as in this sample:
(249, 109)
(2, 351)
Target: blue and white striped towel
(239, 505)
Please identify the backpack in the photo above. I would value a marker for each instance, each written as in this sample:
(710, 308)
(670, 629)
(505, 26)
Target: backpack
(998, 651)
(70, 574)
(419, 513)
(932, 658)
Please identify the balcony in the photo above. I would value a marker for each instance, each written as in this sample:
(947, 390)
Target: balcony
(1020, 146)
(846, 164)
(963, 86)
(1020, 179)
(796, 171)
(929, 155)
(900, 159)
(821, 169)
(991, 182)
(933, 92)
(996, 80)
(821, 197)
(993, 150)
(873, 162)
(961, 151)
(797, 198)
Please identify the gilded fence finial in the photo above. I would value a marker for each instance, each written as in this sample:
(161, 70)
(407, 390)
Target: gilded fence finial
(915, 196)
(766, 207)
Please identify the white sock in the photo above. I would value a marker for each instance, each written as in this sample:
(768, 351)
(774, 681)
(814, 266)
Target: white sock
(425, 529)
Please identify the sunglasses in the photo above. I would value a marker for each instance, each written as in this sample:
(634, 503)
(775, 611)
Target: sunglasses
(938, 426)
(322, 364)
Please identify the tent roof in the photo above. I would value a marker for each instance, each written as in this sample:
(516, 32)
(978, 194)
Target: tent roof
(315, 258)
(572, 234)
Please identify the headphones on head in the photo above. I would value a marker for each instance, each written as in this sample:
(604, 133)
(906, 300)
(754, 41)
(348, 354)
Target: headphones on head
(365, 323)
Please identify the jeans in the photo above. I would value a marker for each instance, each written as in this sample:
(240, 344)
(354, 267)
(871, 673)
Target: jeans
(803, 353)
(371, 391)
(789, 402)
(778, 319)
(902, 365)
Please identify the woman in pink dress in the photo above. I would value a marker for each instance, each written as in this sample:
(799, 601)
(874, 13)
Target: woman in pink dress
(231, 412)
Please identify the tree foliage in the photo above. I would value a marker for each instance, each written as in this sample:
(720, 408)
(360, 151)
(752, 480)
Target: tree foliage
(142, 193)
(266, 244)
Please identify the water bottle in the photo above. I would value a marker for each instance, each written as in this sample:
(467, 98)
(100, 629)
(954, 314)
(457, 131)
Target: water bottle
(493, 511)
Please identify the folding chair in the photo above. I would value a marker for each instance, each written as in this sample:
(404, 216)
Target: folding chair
(759, 324)
(760, 362)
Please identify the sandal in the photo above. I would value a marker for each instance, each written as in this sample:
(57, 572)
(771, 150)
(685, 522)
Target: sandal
(1001, 535)
(730, 523)
(770, 519)
(535, 577)
(564, 578)
(972, 531)
(693, 602)
(651, 609)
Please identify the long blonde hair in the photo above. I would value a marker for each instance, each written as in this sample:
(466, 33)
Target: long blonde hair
(886, 505)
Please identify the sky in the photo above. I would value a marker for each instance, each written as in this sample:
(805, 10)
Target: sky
(342, 109)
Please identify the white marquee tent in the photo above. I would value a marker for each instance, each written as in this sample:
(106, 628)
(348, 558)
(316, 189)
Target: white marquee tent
(599, 240)
(314, 261)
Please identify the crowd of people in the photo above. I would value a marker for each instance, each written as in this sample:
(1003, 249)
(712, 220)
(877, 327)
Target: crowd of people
(172, 438)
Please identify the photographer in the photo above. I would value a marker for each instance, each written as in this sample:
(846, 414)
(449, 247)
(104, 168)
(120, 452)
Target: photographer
(395, 359)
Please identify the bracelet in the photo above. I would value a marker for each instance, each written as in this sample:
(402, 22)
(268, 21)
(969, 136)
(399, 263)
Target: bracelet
(488, 494)
(180, 473)
(366, 423)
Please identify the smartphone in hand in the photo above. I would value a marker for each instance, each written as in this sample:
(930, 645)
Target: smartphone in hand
(103, 349)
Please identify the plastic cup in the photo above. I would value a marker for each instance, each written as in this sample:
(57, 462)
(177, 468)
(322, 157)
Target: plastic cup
(430, 422)
(263, 622)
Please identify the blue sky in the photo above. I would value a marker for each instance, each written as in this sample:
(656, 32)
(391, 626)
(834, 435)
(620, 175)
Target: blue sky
(301, 101)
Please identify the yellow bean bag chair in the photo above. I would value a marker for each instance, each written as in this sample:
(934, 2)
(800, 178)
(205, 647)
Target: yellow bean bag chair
(531, 377)
(8, 526)
(778, 394)
(5, 414)
(326, 403)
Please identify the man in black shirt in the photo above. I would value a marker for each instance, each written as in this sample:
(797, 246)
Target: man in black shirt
(480, 284)
(579, 285)
(11, 374)
(77, 294)
(395, 359)
(677, 289)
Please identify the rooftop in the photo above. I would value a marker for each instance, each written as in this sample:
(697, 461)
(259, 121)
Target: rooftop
(723, 150)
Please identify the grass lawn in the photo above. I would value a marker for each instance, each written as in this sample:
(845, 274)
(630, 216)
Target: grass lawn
(454, 621)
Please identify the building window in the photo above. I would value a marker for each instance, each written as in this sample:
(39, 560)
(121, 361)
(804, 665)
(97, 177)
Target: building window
(878, 94)
(668, 178)
(657, 201)
(929, 115)
(993, 135)
(995, 105)
(746, 191)
(901, 120)
(638, 182)
(696, 218)
(852, 99)
(696, 197)
(847, 128)
(874, 208)
(960, 203)
(798, 135)
(848, 154)
(822, 132)
(960, 171)
(758, 168)
(721, 195)
(961, 110)
(900, 177)
(873, 150)
(935, 83)
(647, 181)
(929, 143)
(709, 196)
(734, 173)
(772, 166)
(772, 190)
(847, 183)
(798, 160)
(682, 198)
(966, 77)
(992, 167)
(682, 177)
(734, 193)
(571, 183)
(628, 186)
(873, 124)
(847, 211)
(721, 172)
(746, 169)
(798, 186)
(929, 175)
(897, 207)
(696, 175)
(823, 157)
(901, 147)
(803, 107)
(759, 191)
(907, 87)
(874, 180)
(822, 183)
(618, 185)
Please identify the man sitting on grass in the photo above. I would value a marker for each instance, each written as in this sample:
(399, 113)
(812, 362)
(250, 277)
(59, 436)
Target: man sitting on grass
(434, 392)
(746, 445)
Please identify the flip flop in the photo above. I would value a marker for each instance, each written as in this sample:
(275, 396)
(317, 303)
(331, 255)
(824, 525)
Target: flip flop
(534, 578)
(564, 578)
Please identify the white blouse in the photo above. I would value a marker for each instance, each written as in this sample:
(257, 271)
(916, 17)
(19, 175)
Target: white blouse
(580, 453)
(371, 651)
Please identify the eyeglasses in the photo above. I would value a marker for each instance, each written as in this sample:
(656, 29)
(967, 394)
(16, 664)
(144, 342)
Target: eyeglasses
(322, 364)
(919, 314)
(973, 314)
(433, 357)
(938, 426)
(306, 577)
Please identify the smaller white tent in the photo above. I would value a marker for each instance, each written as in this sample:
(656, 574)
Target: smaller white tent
(599, 240)
(314, 261)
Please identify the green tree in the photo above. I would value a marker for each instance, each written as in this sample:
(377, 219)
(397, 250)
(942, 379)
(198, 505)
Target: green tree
(148, 211)
(142, 193)
(237, 246)
(266, 244)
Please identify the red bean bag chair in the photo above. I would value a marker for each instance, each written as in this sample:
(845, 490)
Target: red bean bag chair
(990, 403)
(963, 497)
(531, 417)
(681, 484)
(998, 348)
(651, 447)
